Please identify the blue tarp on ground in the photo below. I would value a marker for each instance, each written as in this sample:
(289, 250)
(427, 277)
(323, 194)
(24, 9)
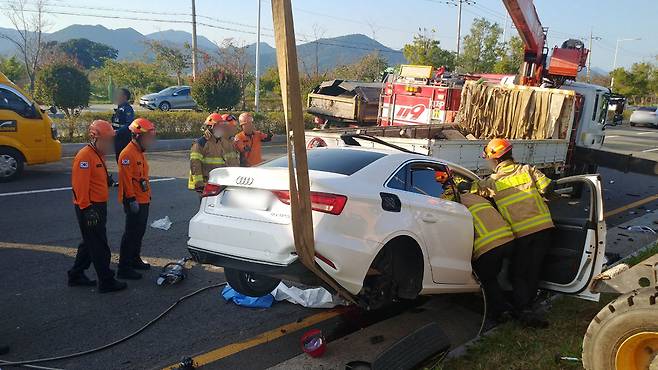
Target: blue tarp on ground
(230, 294)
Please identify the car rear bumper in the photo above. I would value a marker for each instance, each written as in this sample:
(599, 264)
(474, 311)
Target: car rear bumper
(294, 272)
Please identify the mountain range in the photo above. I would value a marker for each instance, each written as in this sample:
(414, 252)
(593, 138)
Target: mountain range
(131, 44)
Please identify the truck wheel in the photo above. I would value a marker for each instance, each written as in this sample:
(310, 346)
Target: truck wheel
(624, 334)
(249, 283)
(11, 164)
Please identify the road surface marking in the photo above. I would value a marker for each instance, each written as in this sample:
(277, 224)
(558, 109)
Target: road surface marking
(645, 133)
(268, 336)
(611, 136)
(66, 188)
(631, 205)
(650, 150)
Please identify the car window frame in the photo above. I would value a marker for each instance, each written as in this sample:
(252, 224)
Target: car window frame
(35, 112)
(406, 166)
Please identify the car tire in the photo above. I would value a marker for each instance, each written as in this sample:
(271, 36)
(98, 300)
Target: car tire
(626, 328)
(165, 106)
(249, 283)
(632, 124)
(11, 164)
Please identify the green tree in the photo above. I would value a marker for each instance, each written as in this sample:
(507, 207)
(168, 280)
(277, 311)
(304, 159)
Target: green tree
(368, 68)
(269, 81)
(139, 77)
(638, 84)
(89, 54)
(172, 59)
(65, 87)
(511, 57)
(426, 50)
(13, 69)
(482, 47)
(216, 88)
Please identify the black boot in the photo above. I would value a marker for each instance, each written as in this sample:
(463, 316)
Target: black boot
(80, 279)
(533, 319)
(111, 285)
(139, 264)
(128, 274)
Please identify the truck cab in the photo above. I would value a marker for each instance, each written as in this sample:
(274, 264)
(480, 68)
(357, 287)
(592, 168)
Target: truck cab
(27, 135)
(593, 111)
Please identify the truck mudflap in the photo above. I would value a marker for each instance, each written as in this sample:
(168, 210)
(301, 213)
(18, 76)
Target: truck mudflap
(617, 161)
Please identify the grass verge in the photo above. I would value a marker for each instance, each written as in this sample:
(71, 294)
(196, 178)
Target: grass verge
(513, 347)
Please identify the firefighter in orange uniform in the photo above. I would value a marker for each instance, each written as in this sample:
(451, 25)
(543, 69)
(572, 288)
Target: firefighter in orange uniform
(247, 142)
(135, 195)
(90, 193)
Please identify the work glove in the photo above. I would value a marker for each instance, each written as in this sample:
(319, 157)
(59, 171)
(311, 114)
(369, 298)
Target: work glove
(133, 206)
(464, 186)
(247, 148)
(110, 181)
(90, 217)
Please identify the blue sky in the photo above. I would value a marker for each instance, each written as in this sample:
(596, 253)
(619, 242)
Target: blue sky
(391, 22)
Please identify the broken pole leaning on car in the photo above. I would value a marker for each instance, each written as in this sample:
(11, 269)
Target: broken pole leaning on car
(300, 200)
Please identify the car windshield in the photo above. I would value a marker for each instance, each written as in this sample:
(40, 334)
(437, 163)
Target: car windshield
(168, 90)
(342, 161)
(647, 109)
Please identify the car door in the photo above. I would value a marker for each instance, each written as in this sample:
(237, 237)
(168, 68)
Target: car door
(446, 227)
(186, 100)
(177, 100)
(577, 250)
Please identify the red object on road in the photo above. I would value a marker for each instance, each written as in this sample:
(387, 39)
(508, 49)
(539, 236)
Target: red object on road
(313, 343)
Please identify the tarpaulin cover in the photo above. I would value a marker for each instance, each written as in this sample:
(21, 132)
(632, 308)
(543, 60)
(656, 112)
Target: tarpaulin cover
(230, 294)
(515, 112)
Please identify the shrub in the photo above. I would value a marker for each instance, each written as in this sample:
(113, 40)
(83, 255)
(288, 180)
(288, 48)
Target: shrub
(170, 125)
(216, 88)
(63, 86)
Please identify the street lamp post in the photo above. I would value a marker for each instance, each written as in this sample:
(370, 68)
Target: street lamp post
(257, 82)
(614, 64)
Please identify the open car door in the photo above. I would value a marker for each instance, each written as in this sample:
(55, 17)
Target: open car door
(577, 250)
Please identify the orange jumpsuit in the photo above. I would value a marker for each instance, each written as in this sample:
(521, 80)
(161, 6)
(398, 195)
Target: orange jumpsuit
(250, 148)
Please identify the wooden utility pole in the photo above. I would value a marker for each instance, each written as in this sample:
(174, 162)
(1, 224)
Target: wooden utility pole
(194, 62)
(300, 192)
(257, 82)
(459, 25)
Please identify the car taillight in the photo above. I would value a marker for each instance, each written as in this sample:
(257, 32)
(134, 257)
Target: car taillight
(211, 190)
(321, 202)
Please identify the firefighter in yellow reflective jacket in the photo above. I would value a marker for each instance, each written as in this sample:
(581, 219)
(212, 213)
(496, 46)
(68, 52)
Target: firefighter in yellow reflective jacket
(493, 241)
(213, 150)
(518, 192)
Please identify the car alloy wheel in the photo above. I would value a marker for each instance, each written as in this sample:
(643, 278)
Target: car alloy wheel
(8, 165)
(164, 106)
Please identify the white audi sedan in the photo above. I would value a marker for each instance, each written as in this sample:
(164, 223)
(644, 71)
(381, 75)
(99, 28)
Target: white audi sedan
(382, 229)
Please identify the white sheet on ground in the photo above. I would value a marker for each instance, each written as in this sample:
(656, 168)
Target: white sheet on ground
(311, 297)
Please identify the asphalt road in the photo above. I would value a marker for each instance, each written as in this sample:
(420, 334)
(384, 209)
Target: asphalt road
(42, 317)
(640, 141)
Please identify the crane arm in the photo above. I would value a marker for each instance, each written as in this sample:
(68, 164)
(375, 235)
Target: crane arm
(525, 18)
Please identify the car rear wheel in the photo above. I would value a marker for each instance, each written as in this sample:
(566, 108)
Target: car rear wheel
(11, 164)
(633, 124)
(164, 106)
(249, 283)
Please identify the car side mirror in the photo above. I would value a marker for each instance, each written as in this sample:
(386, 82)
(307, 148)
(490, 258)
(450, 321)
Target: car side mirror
(174, 94)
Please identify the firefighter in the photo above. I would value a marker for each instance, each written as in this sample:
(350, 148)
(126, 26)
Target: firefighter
(135, 195)
(248, 141)
(90, 193)
(213, 150)
(121, 119)
(493, 242)
(518, 192)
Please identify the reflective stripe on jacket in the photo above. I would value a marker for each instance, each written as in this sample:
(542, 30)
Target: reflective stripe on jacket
(208, 153)
(517, 191)
(491, 230)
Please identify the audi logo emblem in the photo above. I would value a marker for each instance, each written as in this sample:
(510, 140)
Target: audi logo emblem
(244, 180)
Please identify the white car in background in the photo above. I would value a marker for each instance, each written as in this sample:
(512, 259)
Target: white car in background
(382, 230)
(647, 116)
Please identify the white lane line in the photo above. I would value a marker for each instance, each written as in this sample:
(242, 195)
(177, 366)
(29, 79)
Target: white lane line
(650, 150)
(611, 136)
(63, 189)
(645, 133)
